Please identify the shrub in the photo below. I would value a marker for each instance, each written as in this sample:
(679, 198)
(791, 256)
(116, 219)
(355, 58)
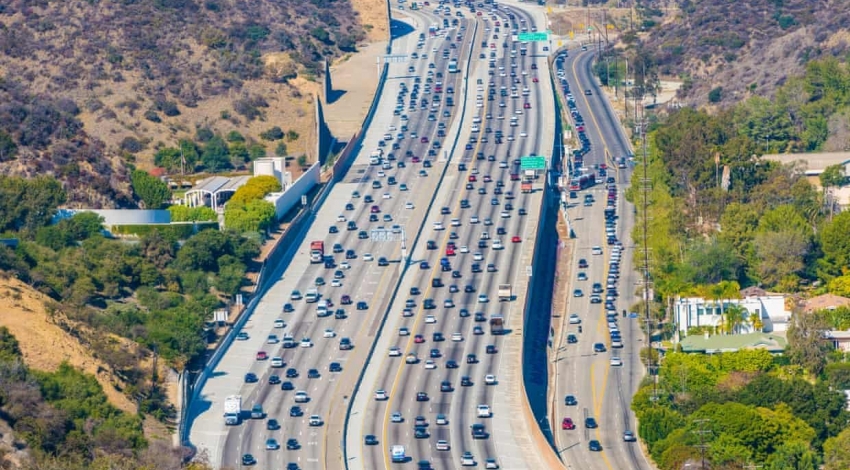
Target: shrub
(715, 95)
(131, 144)
(275, 133)
(152, 116)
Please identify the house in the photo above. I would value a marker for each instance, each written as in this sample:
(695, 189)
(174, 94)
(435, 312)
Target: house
(696, 312)
(706, 344)
(825, 302)
(839, 339)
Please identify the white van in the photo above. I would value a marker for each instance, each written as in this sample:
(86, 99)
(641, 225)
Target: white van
(311, 296)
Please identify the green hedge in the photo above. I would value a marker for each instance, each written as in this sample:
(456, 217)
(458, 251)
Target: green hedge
(173, 231)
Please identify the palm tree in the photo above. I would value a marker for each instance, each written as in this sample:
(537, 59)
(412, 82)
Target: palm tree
(755, 321)
(734, 318)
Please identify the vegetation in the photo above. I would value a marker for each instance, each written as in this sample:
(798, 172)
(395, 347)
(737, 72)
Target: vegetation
(247, 211)
(747, 47)
(747, 408)
(151, 190)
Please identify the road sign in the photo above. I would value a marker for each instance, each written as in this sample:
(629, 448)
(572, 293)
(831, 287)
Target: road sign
(534, 162)
(540, 36)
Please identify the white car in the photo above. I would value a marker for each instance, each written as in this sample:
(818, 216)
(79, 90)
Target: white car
(340, 218)
(336, 283)
(387, 196)
(329, 333)
(497, 244)
(301, 397)
(574, 319)
(596, 250)
(523, 134)
(403, 331)
(616, 361)
(279, 323)
(483, 411)
(344, 265)
(457, 337)
(368, 257)
(473, 219)
(429, 364)
(381, 174)
(503, 164)
(443, 445)
(438, 226)
(430, 319)
(381, 395)
(455, 222)
(408, 205)
(477, 256)
(483, 299)
(306, 343)
(464, 249)
(504, 214)
(395, 352)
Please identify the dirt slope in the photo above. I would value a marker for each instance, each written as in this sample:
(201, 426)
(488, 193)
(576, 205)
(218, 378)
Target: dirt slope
(45, 345)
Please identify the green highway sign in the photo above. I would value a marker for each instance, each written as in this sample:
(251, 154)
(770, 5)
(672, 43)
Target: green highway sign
(533, 162)
(542, 36)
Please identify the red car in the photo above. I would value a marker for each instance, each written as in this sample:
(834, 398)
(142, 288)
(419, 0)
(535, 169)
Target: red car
(516, 239)
(346, 300)
(472, 178)
(375, 209)
(567, 423)
(450, 251)
(418, 339)
(416, 160)
(423, 140)
(527, 106)
(262, 356)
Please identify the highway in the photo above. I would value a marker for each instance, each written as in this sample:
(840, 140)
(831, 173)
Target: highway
(363, 280)
(602, 391)
(456, 315)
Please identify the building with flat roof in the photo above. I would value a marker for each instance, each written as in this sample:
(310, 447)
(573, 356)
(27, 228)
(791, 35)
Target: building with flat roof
(696, 312)
(825, 302)
(813, 164)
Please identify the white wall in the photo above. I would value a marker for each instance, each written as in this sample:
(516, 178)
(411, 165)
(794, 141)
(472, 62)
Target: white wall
(691, 312)
(286, 200)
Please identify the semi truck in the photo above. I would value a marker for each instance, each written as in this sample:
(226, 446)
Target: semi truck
(317, 251)
(232, 410)
(505, 294)
(526, 187)
(497, 325)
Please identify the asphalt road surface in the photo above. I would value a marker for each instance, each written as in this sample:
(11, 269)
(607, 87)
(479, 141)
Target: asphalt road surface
(454, 313)
(603, 391)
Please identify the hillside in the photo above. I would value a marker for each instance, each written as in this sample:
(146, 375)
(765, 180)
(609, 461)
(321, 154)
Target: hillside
(88, 86)
(746, 47)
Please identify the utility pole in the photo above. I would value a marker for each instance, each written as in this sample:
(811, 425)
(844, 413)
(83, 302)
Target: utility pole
(701, 433)
(647, 295)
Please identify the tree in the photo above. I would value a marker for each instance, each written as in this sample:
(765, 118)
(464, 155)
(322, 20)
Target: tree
(794, 455)
(835, 243)
(657, 423)
(806, 344)
(780, 254)
(274, 133)
(154, 192)
(254, 216)
(836, 451)
(280, 149)
(734, 317)
(256, 188)
(215, 155)
(715, 95)
(27, 204)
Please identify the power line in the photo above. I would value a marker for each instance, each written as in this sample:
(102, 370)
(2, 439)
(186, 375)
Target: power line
(701, 433)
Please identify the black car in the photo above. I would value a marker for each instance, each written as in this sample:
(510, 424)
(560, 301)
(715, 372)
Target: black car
(451, 364)
(363, 235)
(437, 337)
(288, 308)
(465, 381)
(383, 261)
(421, 432)
(456, 275)
(313, 374)
(287, 386)
(248, 459)
(594, 446)
(469, 288)
(250, 378)
(371, 440)
(436, 282)
(274, 380)
(479, 432)
(571, 338)
(362, 305)
(296, 411)
(590, 423)
(570, 400)
(421, 396)
(335, 367)
(350, 254)
(292, 444)
(272, 425)
(431, 244)
(446, 386)
(291, 373)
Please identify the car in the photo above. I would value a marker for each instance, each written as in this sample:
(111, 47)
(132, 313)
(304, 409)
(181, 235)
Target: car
(274, 380)
(491, 463)
(567, 423)
(335, 367)
(248, 459)
(262, 356)
(272, 425)
(287, 386)
(451, 364)
(442, 444)
(345, 300)
(421, 396)
(292, 444)
(572, 339)
(594, 445)
(396, 417)
(590, 423)
(430, 319)
(362, 305)
(242, 336)
(570, 400)
(582, 263)
(251, 377)
(616, 361)
(490, 379)
(596, 250)
(306, 343)
(295, 411)
(582, 276)
(370, 440)
(479, 431)
(467, 460)
(491, 349)
(456, 337)
(598, 347)
(381, 395)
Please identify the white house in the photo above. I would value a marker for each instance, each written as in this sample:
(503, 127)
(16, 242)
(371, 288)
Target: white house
(690, 312)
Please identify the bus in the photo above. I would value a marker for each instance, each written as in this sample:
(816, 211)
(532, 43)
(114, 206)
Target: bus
(453, 68)
(583, 182)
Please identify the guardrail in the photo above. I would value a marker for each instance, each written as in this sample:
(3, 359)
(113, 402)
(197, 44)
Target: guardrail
(411, 249)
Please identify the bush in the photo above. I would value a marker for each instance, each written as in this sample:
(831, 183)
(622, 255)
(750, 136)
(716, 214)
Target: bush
(152, 116)
(275, 133)
(235, 136)
(132, 145)
(715, 95)
(178, 232)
